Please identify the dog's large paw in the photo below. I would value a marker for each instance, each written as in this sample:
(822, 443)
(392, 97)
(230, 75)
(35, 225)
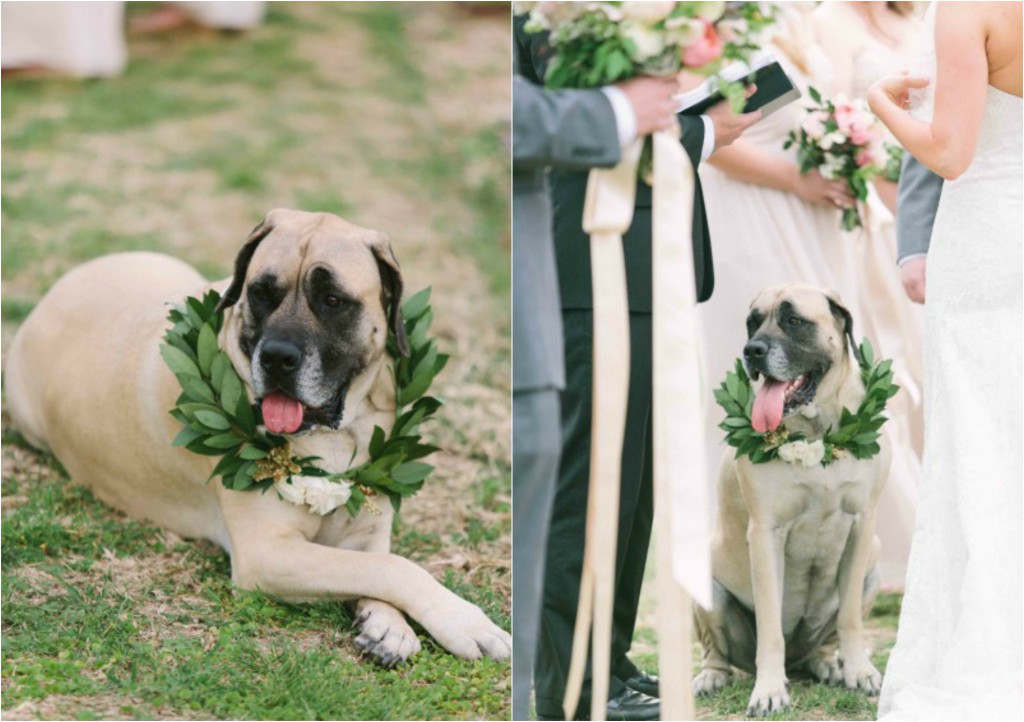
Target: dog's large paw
(861, 676)
(827, 669)
(769, 696)
(384, 634)
(466, 632)
(710, 681)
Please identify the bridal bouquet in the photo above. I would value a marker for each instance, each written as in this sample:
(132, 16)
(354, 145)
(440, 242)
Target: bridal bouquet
(844, 141)
(601, 43)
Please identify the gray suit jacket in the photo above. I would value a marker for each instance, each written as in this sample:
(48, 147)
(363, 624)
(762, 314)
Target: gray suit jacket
(570, 129)
(917, 202)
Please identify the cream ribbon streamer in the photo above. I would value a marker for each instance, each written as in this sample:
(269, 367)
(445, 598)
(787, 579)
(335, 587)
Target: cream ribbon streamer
(682, 518)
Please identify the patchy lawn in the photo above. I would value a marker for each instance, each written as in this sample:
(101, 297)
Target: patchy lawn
(394, 116)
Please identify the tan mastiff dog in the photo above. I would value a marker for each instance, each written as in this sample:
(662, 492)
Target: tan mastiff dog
(306, 323)
(794, 551)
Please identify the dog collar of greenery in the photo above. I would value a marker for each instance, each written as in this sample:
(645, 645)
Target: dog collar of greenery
(218, 420)
(857, 434)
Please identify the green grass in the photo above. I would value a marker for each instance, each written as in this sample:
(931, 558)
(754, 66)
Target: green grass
(324, 107)
(221, 654)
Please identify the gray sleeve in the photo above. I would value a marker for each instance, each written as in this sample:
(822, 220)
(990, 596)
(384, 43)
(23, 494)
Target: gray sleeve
(916, 203)
(568, 129)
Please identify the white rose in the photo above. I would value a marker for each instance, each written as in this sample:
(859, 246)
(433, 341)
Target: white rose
(831, 139)
(292, 491)
(648, 43)
(711, 11)
(803, 453)
(684, 30)
(832, 167)
(325, 496)
(647, 12)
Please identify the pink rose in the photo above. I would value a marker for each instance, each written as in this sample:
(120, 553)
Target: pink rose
(860, 134)
(864, 157)
(846, 116)
(814, 124)
(704, 49)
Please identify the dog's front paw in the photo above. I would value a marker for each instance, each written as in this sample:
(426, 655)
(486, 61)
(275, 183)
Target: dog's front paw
(710, 681)
(384, 634)
(769, 696)
(860, 675)
(465, 631)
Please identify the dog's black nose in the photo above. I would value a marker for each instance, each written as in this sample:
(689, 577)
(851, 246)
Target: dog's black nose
(280, 357)
(755, 349)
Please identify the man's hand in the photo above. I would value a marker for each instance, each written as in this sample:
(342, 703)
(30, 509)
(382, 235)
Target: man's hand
(728, 125)
(652, 103)
(914, 274)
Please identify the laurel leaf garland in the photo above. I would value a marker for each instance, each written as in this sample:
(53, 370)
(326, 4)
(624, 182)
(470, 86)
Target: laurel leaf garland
(857, 433)
(218, 419)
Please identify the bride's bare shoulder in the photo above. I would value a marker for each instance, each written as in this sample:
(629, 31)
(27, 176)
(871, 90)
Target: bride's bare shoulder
(1004, 45)
(995, 27)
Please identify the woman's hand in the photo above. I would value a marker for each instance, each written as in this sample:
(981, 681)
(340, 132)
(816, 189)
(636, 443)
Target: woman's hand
(815, 188)
(895, 89)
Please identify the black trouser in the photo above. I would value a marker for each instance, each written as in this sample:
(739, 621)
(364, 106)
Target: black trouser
(568, 521)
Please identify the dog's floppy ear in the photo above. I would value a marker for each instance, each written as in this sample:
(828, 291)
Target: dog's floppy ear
(843, 315)
(391, 288)
(234, 292)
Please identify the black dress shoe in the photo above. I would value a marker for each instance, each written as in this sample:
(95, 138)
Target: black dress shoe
(632, 705)
(642, 683)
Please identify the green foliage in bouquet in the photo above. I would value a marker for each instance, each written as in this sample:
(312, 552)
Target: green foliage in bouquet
(218, 420)
(839, 160)
(894, 166)
(857, 433)
(602, 44)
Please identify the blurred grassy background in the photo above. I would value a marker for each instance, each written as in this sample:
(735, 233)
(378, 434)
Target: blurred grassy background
(395, 116)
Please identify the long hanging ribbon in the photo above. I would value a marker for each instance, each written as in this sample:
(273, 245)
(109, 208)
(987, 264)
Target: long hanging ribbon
(682, 520)
(607, 215)
(681, 508)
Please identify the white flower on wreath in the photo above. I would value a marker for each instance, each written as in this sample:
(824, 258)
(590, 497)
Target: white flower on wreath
(647, 42)
(321, 495)
(647, 12)
(803, 453)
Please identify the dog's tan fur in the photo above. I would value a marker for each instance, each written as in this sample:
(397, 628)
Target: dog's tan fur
(796, 546)
(85, 380)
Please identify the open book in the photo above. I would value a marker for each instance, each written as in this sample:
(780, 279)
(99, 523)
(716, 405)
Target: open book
(774, 88)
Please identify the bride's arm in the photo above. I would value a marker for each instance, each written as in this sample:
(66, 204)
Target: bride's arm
(947, 144)
(749, 163)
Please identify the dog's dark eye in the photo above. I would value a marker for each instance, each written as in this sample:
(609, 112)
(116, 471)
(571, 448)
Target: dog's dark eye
(332, 301)
(794, 321)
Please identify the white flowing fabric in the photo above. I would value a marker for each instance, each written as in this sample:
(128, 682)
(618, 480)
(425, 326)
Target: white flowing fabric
(894, 324)
(85, 39)
(958, 653)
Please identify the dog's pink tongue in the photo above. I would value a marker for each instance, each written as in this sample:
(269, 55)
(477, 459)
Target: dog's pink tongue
(281, 413)
(767, 412)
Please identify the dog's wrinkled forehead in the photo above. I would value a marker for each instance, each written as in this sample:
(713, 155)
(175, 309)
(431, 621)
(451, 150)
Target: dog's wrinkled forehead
(773, 304)
(299, 242)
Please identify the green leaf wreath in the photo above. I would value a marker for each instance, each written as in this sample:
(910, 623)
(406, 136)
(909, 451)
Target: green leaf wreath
(857, 433)
(218, 420)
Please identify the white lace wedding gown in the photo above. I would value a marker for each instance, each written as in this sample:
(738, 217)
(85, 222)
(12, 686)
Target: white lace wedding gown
(958, 653)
